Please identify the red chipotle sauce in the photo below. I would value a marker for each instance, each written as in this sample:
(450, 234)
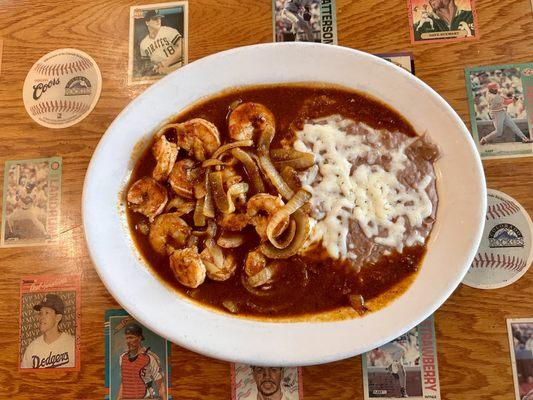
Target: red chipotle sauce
(306, 286)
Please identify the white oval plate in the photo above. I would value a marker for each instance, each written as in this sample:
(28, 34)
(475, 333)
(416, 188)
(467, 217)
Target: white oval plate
(453, 243)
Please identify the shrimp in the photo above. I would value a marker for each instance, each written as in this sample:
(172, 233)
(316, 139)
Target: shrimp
(168, 232)
(181, 179)
(165, 153)
(247, 118)
(255, 262)
(199, 137)
(220, 266)
(259, 271)
(260, 208)
(230, 176)
(234, 222)
(187, 267)
(148, 197)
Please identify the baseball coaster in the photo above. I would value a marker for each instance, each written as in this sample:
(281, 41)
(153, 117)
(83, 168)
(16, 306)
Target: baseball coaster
(505, 252)
(62, 88)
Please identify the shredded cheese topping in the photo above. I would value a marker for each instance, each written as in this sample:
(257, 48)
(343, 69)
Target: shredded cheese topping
(348, 183)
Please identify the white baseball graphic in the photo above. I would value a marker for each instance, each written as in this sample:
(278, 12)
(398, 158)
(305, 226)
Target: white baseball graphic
(62, 88)
(505, 252)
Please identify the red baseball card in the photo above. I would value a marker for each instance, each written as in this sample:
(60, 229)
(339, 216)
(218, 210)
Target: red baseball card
(433, 21)
(50, 308)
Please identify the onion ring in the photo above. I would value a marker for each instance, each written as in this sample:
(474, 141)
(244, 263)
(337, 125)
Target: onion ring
(281, 215)
(302, 231)
(232, 145)
(251, 169)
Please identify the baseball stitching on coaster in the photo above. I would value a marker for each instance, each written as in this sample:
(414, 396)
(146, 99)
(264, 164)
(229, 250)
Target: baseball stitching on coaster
(62, 88)
(506, 251)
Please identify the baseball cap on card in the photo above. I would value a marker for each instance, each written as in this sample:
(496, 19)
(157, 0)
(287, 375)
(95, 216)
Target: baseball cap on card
(151, 14)
(134, 329)
(493, 85)
(53, 301)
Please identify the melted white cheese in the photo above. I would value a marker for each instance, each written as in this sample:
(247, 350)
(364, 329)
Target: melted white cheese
(345, 189)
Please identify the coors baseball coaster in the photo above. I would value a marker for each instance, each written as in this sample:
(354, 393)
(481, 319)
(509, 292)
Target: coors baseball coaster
(62, 88)
(505, 252)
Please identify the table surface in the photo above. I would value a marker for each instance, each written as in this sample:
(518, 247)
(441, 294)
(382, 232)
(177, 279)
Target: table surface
(472, 342)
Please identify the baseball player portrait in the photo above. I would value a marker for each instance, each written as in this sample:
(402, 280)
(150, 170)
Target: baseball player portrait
(26, 201)
(162, 45)
(445, 17)
(158, 40)
(53, 348)
(297, 15)
(268, 381)
(140, 369)
(497, 105)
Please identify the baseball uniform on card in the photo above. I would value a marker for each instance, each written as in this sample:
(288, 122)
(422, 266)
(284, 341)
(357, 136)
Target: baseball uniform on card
(137, 360)
(442, 20)
(407, 367)
(50, 323)
(158, 40)
(501, 113)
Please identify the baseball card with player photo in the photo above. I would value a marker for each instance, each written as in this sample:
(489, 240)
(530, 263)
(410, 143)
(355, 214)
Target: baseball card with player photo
(31, 202)
(404, 60)
(433, 21)
(137, 360)
(158, 41)
(500, 99)
(521, 345)
(304, 21)
(260, 383)
(50, 312)
(405, 367)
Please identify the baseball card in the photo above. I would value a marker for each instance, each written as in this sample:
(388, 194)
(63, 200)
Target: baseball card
(521, 346)
(405, 367)
(136, 359)
(304, 21)
(255, 383)
(404, 60)
(50, 312)
(158, 41)
(433, 21)
(31, 202)
(500, 100)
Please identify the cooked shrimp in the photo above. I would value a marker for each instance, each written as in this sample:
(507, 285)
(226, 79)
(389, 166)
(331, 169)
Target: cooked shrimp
(165, 154)
(248, 118)
(168, 232)
(188, 267)
(260, 208)
(234, 222)
(220, 266)
(181, 178)
(148, 197)
(230, 176)
(199, 137)
(255, 262)
(259, 271)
